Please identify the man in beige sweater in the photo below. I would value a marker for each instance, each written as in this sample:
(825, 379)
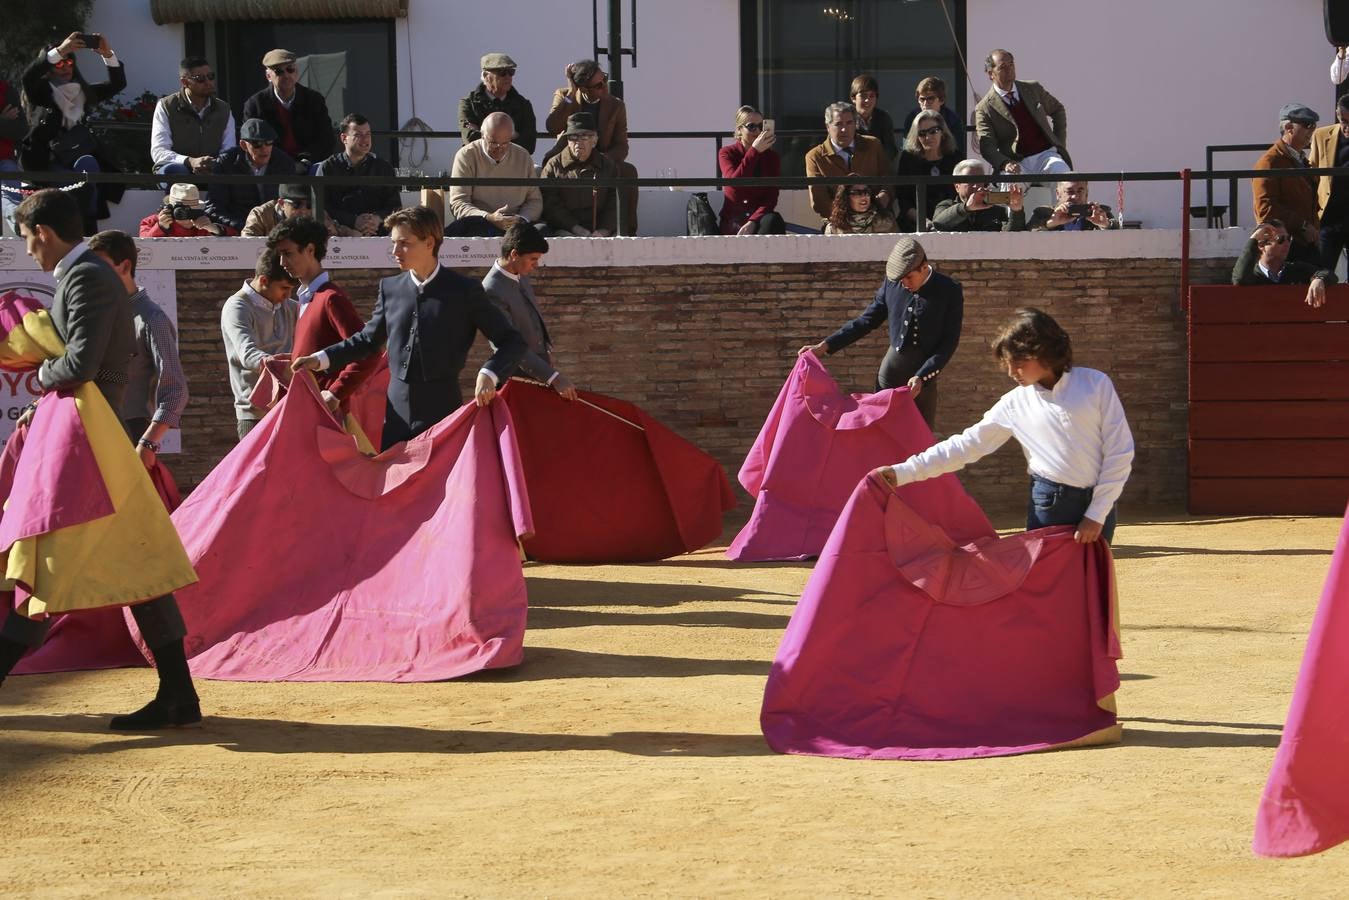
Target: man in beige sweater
(488, 210)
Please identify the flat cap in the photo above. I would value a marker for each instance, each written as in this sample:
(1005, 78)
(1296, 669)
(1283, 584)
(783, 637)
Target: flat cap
(497, 61)
(1296, 112)
(902, 259)
(257, 130)
(277, 57)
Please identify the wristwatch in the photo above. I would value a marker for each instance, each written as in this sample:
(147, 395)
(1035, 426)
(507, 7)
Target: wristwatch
(146, 442)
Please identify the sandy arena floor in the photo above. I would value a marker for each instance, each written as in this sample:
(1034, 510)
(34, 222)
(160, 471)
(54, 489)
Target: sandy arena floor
(624, 759)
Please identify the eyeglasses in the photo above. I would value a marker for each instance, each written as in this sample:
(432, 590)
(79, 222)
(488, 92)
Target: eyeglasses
(258, 145)
(503, 73)
(928, 132)
(866, 95)
(753, 126)
(859, 192)
(581, 138)
(201, 79)
(1276, 241)
(928, 98)
(603, 83)
(495, 145)
(286, 69)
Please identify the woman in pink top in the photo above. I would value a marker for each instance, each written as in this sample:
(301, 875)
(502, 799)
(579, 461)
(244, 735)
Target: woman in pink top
(750, 210)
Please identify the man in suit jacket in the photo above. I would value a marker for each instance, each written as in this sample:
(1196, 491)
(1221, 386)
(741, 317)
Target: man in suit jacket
(92, 315)
(1012, 122)
(1330, 148)
(428, 316)
(508, 287)
(925, 310)
(327, 316)
(257, 154)
(844, 152)
(1264, 260)
(299, 114)
(1291, 199)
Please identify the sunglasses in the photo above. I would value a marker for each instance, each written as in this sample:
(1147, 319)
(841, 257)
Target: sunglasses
(928, 132)
(859, 192)
(508, 73)
(596, 85)
(64, 62)
(753, 126)
(581, 138)
(258, 145)
(1281, 239)
(287, 69)
(201, 79)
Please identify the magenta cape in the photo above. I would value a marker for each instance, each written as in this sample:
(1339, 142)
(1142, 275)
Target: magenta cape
(905, 645)
(1305, 806)
(608, 483)
(320, 564)
(814, 447)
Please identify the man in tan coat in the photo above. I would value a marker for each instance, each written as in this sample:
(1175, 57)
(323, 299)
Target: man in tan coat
(845, 152)
(1330, 148)
(291, 200)
(1290, 199)
(1013, 123)
(587, 91)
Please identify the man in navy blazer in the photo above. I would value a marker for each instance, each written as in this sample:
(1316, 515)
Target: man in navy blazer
(925, 310)
(428, 316)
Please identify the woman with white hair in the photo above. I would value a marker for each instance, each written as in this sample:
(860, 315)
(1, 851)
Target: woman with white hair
(974, 207)
(929, 149)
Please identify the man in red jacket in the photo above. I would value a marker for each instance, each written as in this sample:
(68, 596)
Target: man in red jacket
(327, 315)
(182, 215)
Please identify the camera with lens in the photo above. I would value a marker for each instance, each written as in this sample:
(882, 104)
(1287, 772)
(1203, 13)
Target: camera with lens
(182, 212)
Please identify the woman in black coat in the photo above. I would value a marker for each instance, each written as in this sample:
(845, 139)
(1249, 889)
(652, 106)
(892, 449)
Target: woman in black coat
(57, 97)
(929, 149)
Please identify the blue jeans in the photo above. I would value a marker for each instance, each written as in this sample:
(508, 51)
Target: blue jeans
(1052, 503)
(171, 169)
(9, 192)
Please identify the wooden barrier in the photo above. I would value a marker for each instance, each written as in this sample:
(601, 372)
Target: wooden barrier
(1269, 401)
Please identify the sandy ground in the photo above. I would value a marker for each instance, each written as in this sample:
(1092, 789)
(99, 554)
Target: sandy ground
(624, 759)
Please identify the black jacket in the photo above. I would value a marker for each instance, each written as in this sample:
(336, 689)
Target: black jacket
(46, 122)
(229, 204)
(1293, 272)
(932, 316)
(951, 215)
(428, 334)
(313, 128)
(347, 201)
(478, 104)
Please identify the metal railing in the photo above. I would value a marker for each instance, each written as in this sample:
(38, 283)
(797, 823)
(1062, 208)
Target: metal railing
(1209, 152)
(920, 183)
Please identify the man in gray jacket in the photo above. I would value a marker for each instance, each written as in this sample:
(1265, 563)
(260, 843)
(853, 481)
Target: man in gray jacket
(258, 325)
(508, 287)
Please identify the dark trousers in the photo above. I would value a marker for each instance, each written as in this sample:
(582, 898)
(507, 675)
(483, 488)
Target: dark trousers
(472, 226)
(413, 407)
(769, 223)
(628, 197)
(896, 370)
(159, 620)
(1052, 503)
(1308, 253)
(1334, 241)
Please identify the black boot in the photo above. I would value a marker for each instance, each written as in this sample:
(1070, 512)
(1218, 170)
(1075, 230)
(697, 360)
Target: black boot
(10, 653)
(175, 704)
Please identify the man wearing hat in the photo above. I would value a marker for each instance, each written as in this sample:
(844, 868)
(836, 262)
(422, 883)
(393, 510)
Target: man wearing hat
(292, 200)
(1291, 199)
(298, 114)
(925, 310)
(583, 210)
(495, 94)
(182, 215)
(257, 154)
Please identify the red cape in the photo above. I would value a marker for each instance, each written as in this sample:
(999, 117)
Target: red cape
(907, 645)
(608, 483)
(814, 446)
(319, 564)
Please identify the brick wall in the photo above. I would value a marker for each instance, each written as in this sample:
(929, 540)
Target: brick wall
(706, 348)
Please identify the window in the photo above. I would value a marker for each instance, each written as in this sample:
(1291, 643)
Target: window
(350, 61)
(798, 56)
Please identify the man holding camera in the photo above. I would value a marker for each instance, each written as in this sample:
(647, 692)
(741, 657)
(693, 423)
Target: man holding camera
(1072, 211)
(192, 127)
(978, 207)
(182, 215)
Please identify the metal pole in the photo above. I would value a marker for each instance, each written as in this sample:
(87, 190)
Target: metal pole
(921, 211)
(316, 201)
(616, 48)
(1185, 239)
(1232, 199)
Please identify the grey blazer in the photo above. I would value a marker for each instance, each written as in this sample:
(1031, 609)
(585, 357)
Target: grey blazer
(92, 315)
(516, 300)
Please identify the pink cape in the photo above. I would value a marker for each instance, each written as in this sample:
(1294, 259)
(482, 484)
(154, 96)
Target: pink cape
(814, 447)
(319, 564)
(608, 483)
(1305, 806)
(905, 645)
(366, 404)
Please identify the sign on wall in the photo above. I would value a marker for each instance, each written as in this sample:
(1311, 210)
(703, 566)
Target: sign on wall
(18, 389)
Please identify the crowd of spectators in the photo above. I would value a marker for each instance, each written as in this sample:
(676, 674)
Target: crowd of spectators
(1020, 134)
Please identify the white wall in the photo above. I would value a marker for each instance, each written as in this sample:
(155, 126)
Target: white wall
(150, 52)
(1148, 83)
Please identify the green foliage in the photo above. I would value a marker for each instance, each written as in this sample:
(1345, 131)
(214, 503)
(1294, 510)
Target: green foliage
(27, 26)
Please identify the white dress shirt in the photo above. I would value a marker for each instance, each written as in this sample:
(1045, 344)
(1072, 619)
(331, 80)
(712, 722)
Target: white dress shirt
(1074, 433)
(1339, 69)
(161, 139)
